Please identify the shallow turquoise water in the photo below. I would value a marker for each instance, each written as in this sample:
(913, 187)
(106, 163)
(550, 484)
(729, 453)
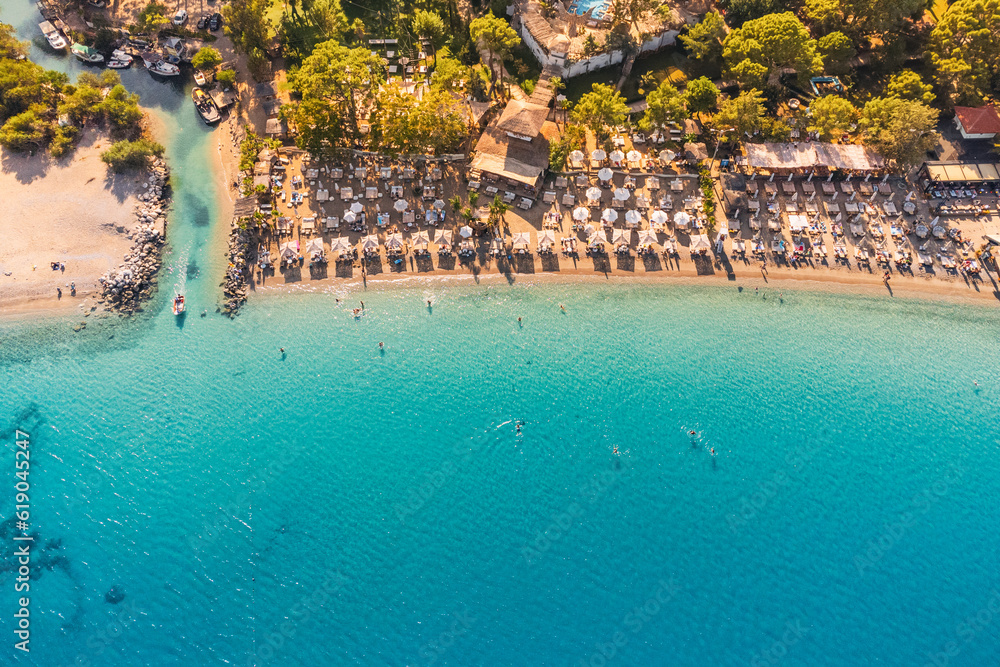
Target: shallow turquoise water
(349, 506)
(221, 485)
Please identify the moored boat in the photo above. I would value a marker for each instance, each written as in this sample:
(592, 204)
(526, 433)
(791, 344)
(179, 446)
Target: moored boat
(119, 60)
(205, 106)
(199, 77)
(86, 54)
(52, 35)
(178, 304)
(156, 65)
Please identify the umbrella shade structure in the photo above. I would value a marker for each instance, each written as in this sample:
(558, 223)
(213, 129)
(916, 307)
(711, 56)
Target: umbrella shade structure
(356, 207)
(439, 204)
(547, 236)
(588, 230)
(420, 239)
(394, 241)
(695, 151)
(315, 245)
(605, 174)
(617, 156)
(593, 194)
(647, 236)
(340, 244)
(350, 217)
(598, 154)
(401, 205)
(444, 237)
(682, 219)
(609, 215)
(521, 239)
(597, 237)
(581, 213)
(659, 217)
(289, 249)
(465, 232)
(622, 236)
(622, 194)
(633, 217)
(667, 155)
(634, 156)
(576, 156)
(369, 242)
(700, 242)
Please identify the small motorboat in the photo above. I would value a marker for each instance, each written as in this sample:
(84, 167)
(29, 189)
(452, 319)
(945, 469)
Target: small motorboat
(178, 304)
(86, 54)
(120, 60)
(156, 65)
(53, 36)
(205, 106)
(199, 77)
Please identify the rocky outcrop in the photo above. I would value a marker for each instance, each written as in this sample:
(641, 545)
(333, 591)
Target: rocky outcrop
(236, 283)
(124, 288)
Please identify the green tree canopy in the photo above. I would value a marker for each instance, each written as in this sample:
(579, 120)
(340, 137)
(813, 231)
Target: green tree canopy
(430, 26)
(704, 40)
(742, 116)
(401, 124)
(739, 12)
(908, 85)
(831, 116)
(247, 24)
(496, 36)
(863, 17)
(602, 108)
(902, 131)
(347, 79)
(837, 50)
(329, 18)
(449, 71)
(10, 46)
(664, 106)
(319, 126)
(208, 57)
(153, 16)
(124, 155)
(701, 95)
(758, 51)
(25, 131)
(965, 47)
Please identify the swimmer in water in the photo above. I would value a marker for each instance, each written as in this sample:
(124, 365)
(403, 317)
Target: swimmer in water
(692, 433)
(519, 426)
(713, 451)
(562, 307)
(281, 349)
(381, 345)
(615, 450)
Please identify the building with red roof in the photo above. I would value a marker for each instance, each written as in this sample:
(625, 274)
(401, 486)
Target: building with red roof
(977, 123)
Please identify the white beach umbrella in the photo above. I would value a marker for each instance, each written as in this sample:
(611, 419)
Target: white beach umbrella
(369, 242)
(633, 217)
(444, 237)
(357, 207)
(394, 241)
(598, 154)
(634, 156)
(314, 245)
(617, 156)
(350, 217)
(622, 194)
(547, 236)
(609, 215)
(647, 236)
(465, 232)
(439, 204)
(622, 236)
(421, 238)
(597, 237)
(605, 174)
(340, 244)
(659, 217)
(576, 156)
(521, 238)
(289, 249)
(581, 213)
(667, 155)
(593, 193)
(401, 205)
(682, 218)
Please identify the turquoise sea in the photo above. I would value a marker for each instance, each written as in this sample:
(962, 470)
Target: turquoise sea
(456, 498)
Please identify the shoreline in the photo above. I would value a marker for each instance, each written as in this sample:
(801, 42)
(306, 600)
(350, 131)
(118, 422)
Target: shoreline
(857, 285)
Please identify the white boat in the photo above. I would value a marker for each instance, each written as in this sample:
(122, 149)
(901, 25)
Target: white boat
(178, 304)
(54, 37)
(86, 54)
(157, 65)
(120, 60)
(199, 78)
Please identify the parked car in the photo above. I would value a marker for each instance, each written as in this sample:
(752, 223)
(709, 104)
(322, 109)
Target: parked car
(203, 22)
(215, 22)
(181, 17)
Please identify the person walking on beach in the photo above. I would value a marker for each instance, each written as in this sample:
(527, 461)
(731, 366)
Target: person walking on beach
(362, 305)
(59, 292)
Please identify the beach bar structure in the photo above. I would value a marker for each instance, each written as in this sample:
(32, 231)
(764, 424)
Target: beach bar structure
(958, 174)
(797, 158)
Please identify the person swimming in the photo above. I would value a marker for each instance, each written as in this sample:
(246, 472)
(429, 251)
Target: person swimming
(518, 426)
(713, 451)
(615, 450)
(381, 345)
(692, 433)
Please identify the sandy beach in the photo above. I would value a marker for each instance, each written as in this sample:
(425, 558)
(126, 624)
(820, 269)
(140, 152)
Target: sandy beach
(70, 211)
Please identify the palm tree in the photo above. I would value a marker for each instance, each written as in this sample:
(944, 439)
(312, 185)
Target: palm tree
(456, 203)
(498, 209)
(473, 198)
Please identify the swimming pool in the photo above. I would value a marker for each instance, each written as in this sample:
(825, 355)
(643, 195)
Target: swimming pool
(581, 7)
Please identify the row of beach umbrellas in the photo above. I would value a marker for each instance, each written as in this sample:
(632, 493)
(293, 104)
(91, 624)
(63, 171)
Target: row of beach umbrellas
(582, 213)
(618, 156)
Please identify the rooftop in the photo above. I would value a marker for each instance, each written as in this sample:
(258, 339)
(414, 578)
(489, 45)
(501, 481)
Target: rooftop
(981, 120)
